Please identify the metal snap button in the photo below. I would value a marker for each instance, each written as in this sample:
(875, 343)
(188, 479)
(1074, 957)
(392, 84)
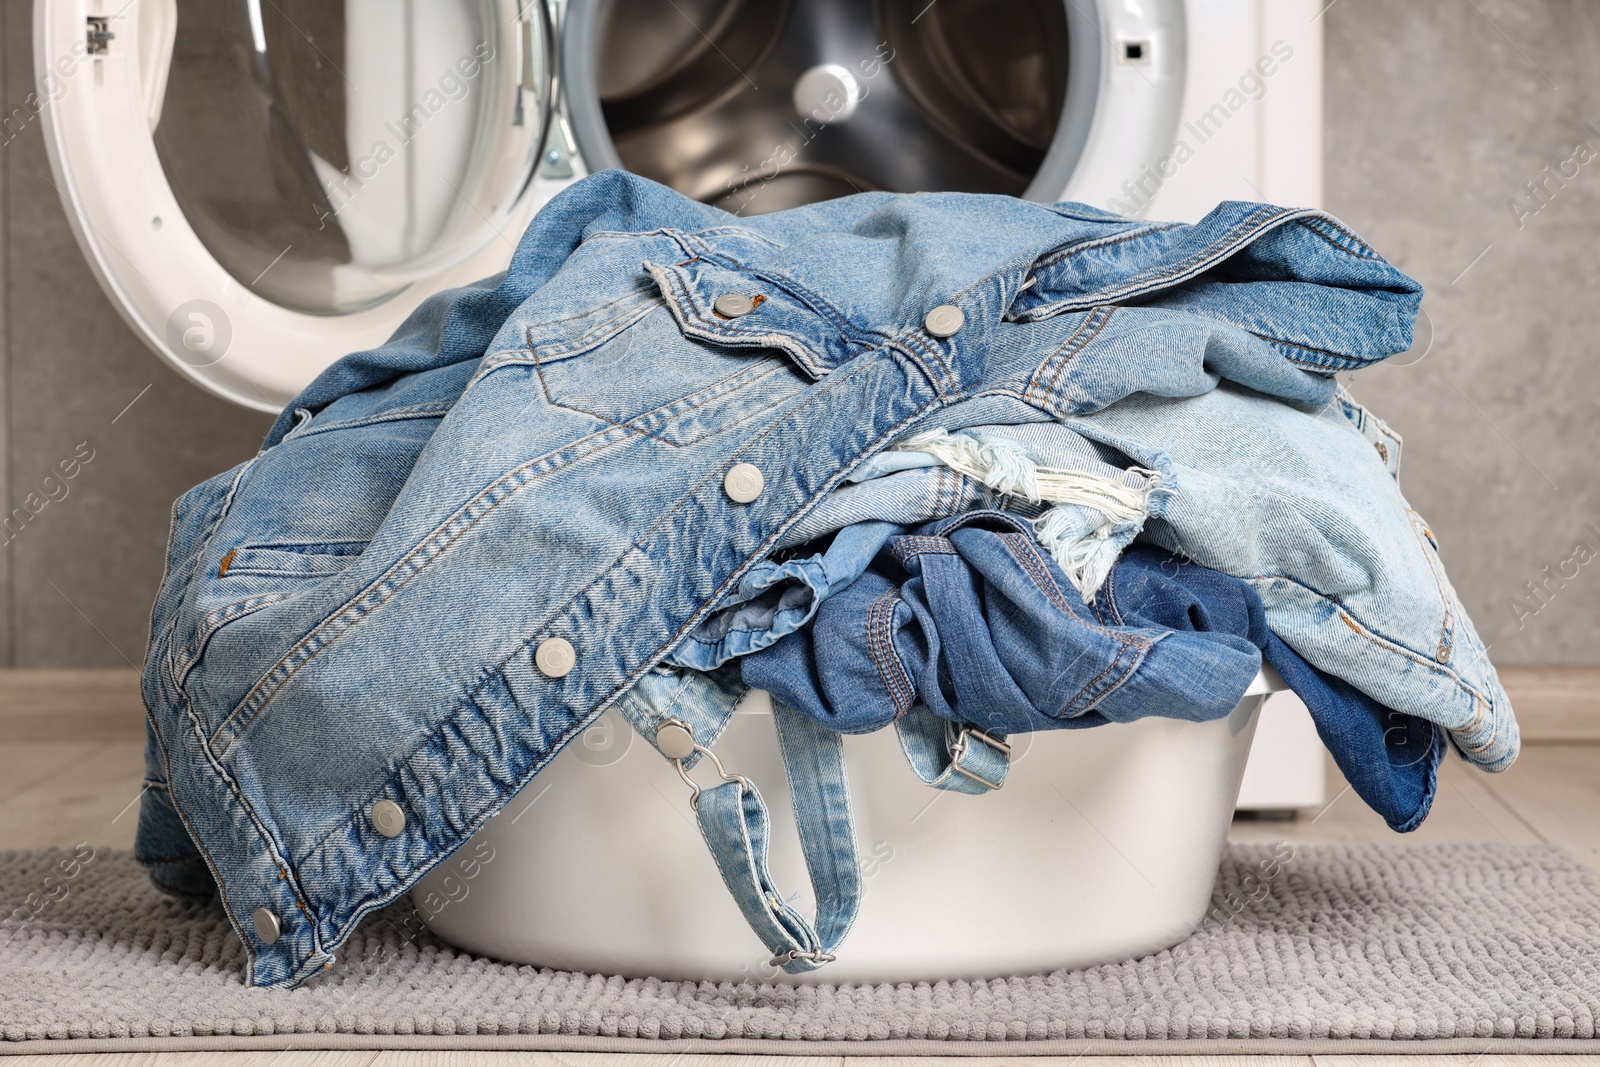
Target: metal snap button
(733, 305)
(267, 927)
(388, 818)
(675, 739)
(744, 483)
(944, 320)
(555, 657)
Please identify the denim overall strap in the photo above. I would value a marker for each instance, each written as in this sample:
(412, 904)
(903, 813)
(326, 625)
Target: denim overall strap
(947, 755)
(734, 822)
(683, 713)
(819, 790)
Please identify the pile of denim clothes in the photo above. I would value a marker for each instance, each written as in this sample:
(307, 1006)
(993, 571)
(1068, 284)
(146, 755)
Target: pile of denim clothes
(963, 466)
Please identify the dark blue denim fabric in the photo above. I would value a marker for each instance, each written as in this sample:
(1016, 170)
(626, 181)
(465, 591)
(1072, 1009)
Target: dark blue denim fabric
(1390, 759)
(968, 617)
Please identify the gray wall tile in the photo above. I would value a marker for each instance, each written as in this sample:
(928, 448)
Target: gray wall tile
(1437, 116)
(8, 36)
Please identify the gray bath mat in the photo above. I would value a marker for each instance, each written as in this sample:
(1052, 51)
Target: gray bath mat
(1410, 948)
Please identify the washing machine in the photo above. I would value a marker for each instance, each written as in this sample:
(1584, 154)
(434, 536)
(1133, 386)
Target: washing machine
(262, 186)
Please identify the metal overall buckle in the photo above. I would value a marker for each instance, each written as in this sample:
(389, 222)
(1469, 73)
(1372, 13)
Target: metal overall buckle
(968, 734)
(675, 740)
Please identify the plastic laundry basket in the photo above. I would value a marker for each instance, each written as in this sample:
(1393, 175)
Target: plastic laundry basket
(1103, 845)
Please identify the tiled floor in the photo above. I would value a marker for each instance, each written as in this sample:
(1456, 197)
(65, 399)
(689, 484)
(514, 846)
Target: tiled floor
(55, 794)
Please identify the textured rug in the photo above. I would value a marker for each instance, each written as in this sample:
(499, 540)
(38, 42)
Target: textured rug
(1410, 948)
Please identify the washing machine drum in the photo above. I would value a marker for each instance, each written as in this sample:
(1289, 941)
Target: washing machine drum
(761, 105)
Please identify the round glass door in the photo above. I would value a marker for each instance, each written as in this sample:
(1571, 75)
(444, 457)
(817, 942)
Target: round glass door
(328, 153)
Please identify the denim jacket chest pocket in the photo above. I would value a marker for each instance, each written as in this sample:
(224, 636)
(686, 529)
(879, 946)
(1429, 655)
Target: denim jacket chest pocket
(665, 362)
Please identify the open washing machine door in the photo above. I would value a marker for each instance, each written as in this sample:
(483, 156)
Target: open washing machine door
(262, 186)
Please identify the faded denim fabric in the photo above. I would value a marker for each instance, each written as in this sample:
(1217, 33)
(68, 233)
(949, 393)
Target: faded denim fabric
(1304, 505)
(895, 489)
(354, 614)
(778, 596)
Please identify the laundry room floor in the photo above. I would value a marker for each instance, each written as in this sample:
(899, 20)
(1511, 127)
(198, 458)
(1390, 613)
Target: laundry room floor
(64, 793)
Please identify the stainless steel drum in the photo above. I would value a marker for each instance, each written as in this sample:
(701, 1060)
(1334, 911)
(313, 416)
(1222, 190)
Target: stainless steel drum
(757, 105)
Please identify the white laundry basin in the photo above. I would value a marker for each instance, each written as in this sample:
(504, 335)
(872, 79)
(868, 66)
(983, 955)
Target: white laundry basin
(1103, 845)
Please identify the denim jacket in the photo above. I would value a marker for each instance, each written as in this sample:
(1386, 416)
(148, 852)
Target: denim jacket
(456, 549)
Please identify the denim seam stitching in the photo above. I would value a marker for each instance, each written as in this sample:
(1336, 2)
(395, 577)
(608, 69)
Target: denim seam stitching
(166, 572)
(742, 231)
(695, 619)
(1429, 554)
(1099, 685)
(1017, 267)
(201, 548)
(730, 385)
(922, 544)
(1339, 357)
(251, 705)
(418, 411)
(809, 298)
(944, 493)
(1044, 395)
(215, 620)
(727, 387)
(622, 687)
(1050, 259)
(1109, 594)
(544, 387)
(1023, 553)
(1381, 641)
(880, 616)
(500, 489)
(1221, 248)
(216, 872)
(286, 572)
(807, 358)
(290, 878)
(644, 295)
(913, 341)
(1362, 250)
(567, 348)
(1026, 557)
(1215, 251)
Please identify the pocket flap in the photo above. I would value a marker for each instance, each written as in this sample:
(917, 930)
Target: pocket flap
(784, 315)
